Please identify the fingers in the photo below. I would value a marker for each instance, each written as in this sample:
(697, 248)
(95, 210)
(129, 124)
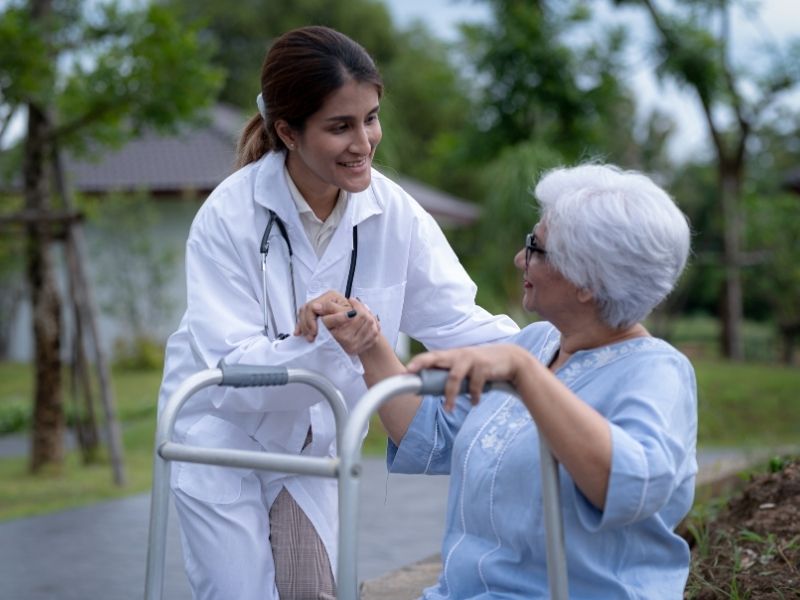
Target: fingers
(307, 320)
(338, 319)
(460, 363)
(356, 329)
(328, 303)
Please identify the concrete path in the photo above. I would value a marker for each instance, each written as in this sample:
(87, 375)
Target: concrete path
(98, 552)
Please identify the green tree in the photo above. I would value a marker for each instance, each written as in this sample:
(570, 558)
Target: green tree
(243, 35)
(693, 43)
(539, 83)
(87, 74)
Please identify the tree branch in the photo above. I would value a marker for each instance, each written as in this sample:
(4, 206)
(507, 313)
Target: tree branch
(666, 33)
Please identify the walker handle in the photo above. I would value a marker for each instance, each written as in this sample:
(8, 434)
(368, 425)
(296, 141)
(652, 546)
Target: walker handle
(253, 375)
(434, 380)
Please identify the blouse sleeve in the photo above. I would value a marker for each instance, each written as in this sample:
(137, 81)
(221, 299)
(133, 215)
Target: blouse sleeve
(653, 435)
(428, 443)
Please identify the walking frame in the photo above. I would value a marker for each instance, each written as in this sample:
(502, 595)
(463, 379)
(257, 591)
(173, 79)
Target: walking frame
(346, 467)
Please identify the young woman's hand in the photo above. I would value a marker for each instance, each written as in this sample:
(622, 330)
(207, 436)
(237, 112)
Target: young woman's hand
(328, 303)
(499, 362)
(356, 329)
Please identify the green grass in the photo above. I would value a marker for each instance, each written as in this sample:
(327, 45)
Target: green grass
(752, 404)
(747, 404)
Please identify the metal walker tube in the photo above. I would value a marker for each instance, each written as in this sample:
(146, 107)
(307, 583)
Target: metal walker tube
(346, 468)
(432, 382)
(166, 450)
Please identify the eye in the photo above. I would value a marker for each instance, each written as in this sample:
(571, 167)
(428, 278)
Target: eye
(373, 118)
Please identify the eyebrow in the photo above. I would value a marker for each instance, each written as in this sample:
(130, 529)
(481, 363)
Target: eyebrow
(350, 117)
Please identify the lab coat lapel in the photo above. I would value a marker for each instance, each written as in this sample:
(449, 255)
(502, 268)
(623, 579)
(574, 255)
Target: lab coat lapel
(272, 192)
(360, 206)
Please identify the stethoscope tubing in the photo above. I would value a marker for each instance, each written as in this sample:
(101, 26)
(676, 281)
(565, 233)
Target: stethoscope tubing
(269, 316)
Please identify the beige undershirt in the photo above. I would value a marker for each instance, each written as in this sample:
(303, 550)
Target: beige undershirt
(319, 232)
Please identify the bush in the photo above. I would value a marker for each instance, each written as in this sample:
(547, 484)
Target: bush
(138, 354)
(14, 416)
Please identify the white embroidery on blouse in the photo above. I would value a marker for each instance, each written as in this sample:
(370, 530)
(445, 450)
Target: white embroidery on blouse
(507, 421)
(588, 360)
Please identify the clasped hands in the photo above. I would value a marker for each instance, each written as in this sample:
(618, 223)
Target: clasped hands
(357, 329)
(349, 321)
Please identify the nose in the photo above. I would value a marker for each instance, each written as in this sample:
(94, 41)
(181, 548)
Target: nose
(519, 260)
(360, 144)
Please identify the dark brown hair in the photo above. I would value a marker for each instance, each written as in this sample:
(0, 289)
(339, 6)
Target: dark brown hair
(302, 68)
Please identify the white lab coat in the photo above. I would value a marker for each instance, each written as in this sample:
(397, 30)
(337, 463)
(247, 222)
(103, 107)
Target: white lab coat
(406, 273)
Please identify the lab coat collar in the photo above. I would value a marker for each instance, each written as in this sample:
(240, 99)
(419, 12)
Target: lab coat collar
(272, 191)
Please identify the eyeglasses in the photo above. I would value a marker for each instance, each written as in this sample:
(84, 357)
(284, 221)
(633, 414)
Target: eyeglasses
(531, 248)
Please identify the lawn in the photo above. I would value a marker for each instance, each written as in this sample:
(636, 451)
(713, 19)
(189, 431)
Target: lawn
(751, 404)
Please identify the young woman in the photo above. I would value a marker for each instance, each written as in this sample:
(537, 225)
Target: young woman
(304, 213)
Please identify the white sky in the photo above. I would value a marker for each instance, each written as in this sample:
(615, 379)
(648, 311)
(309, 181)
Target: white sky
(777, 21)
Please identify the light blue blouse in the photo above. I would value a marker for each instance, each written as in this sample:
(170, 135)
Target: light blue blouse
(494, 545)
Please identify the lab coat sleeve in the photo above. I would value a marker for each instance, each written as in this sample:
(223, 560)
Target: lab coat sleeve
(653, 433)
(439, 308)
(225, 323)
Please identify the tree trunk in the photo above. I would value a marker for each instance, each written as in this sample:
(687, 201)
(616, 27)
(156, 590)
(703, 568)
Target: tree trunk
(47, 443)
(86, 315)
(730, 177)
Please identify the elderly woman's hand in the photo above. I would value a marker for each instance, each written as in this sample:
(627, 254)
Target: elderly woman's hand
(500, 362)
(356, 329)
(328, 303)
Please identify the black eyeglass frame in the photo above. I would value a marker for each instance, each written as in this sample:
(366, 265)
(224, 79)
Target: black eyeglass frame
(532, 247)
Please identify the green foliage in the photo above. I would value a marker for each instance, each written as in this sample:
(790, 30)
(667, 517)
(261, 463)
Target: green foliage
(509, 213)
(424, 111)
(243, 35)
(774, 229)
(539, 84)
(14, 416)
(118, 70)
(138, 354)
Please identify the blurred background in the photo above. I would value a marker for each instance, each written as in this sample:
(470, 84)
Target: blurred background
(117, 118)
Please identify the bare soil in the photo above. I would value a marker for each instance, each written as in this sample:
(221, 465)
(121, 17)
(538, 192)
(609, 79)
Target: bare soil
(751, 548)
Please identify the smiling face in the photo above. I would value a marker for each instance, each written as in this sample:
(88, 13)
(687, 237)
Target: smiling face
(544, 289)
(335, 148)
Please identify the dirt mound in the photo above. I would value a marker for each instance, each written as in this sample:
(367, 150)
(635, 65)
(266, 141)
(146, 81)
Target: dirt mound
(751, 549)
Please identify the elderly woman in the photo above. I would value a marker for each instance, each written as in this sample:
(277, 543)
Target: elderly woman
(616, 406)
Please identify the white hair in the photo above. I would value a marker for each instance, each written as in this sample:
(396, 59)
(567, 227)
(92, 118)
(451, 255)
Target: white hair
(616, 234)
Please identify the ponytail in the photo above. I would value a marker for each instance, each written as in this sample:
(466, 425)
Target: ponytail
(253, 143)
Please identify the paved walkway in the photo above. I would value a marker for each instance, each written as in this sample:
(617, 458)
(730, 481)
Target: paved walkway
(98, 552)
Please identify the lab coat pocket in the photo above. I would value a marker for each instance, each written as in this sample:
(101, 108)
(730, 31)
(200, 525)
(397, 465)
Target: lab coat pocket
(208, 483)
(387, 304)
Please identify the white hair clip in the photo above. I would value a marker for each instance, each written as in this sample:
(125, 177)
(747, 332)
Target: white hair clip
(262, 107)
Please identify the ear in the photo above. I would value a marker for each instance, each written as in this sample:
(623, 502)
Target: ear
(286, 133)
(584, 296)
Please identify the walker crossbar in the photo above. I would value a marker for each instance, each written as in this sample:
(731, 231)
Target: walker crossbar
(166, 450)
(346, 468)
(433, 382)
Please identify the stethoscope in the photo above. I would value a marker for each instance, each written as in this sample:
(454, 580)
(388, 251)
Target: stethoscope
(269, 317)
